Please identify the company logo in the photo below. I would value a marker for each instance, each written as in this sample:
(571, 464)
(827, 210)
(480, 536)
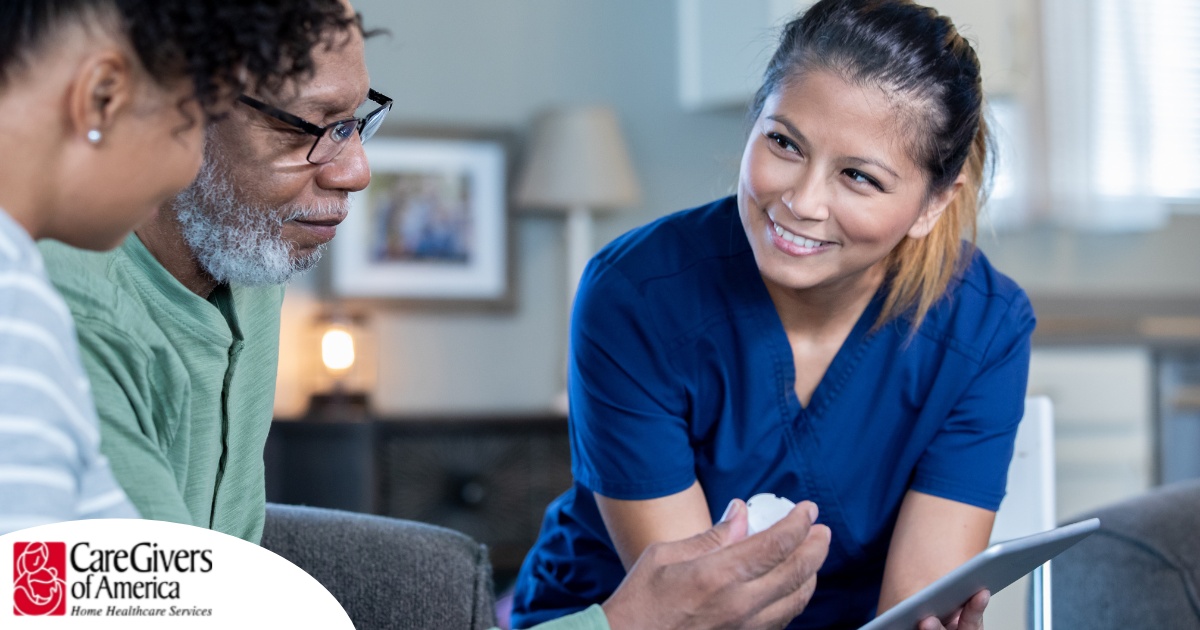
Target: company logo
(39, 578)
(121, 571)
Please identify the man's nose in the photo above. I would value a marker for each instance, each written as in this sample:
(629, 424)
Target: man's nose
(348, 171)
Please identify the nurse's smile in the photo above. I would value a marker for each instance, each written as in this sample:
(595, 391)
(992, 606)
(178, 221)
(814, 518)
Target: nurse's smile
(794, 244)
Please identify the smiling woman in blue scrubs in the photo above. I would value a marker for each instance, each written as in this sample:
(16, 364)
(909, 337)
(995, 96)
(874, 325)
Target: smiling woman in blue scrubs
(824, 335)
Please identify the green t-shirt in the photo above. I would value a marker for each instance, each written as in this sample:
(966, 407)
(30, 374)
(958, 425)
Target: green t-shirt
(184, 386)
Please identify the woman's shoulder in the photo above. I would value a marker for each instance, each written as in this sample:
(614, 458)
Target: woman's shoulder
(980, 280)
(982, 306)
(676, 242)
(676, 274)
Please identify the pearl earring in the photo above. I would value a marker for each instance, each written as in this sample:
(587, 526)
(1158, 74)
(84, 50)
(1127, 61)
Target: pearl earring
(94, 136)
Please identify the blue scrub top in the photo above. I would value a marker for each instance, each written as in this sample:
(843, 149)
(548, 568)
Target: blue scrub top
(681, 370)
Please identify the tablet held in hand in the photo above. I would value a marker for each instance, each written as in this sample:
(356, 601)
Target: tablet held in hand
(993, 569)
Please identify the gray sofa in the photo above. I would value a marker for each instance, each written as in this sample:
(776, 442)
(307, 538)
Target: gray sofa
(1141, 570)
(386, 572)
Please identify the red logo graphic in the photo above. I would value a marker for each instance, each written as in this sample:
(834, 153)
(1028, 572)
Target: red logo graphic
(39, 579)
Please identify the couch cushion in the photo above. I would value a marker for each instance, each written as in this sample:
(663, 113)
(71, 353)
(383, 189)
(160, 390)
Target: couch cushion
(1141, 570)
(386, 572)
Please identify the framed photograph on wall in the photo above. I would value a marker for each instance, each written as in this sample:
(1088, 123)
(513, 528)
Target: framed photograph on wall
(430, 227)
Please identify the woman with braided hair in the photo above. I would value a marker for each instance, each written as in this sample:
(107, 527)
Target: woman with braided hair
(103, 105)
(825, 334)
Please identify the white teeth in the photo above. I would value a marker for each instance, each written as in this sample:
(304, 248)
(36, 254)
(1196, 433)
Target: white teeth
(799, 240)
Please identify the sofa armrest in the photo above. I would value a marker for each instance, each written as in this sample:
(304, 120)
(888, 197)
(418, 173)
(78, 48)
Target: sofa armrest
(1141, 570)
(386, 572)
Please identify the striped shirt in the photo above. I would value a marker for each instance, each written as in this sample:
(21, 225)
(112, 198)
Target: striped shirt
(51, 468)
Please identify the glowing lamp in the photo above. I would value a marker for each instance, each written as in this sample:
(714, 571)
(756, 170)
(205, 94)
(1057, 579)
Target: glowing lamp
(337, 350)
(345, 375)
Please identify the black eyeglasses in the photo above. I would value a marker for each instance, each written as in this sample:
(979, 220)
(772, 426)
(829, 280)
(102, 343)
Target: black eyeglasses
(332, 137)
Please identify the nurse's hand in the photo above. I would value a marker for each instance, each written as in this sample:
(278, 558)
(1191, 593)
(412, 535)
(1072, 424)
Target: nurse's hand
(722, 579)
(969, 617)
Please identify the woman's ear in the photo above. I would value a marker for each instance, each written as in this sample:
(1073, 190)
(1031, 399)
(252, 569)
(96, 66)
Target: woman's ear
(101, 89)
(934, 209)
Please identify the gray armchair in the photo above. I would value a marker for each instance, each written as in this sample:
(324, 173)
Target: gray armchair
(1141, 570)
(386, 572)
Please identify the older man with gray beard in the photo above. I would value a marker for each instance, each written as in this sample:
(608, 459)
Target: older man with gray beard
(179, 326)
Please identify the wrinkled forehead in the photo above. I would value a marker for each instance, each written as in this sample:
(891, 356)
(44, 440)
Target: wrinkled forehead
(338, 85)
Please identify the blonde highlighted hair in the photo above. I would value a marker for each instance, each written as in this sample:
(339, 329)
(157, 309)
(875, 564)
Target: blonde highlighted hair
(920, 269)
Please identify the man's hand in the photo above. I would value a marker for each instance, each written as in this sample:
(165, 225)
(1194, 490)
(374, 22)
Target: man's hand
(969, 617)
(722, 579)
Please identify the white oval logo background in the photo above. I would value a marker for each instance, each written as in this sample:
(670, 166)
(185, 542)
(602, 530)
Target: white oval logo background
(245, 586)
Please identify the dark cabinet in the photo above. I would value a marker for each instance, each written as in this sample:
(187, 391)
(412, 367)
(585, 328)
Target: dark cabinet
(490, 477)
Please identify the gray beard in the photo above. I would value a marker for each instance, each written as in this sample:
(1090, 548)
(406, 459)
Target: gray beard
(237, 242)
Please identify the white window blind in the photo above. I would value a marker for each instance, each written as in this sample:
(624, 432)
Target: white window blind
(1147, 97)
(1122, 110)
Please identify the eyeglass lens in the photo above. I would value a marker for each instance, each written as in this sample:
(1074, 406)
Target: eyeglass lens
(331, 143)
(372, 123)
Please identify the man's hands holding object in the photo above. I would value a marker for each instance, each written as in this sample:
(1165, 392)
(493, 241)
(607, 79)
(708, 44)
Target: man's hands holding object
(724, 577)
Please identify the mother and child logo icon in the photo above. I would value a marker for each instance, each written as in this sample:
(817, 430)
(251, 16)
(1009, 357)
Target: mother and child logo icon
(39, 578)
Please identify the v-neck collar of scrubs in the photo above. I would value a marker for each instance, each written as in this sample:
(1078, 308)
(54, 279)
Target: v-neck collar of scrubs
(839, 370)
(844, 361)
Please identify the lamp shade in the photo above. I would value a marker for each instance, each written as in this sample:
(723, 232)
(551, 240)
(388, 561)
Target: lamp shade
(577, 158)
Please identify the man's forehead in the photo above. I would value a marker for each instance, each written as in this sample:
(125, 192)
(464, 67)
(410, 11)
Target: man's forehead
(339, 82)
(329, 102)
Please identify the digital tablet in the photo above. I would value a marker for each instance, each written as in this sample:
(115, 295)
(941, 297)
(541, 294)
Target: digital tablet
(993, 569)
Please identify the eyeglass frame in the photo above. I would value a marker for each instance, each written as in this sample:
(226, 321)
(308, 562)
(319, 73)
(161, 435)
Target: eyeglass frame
(385, 105)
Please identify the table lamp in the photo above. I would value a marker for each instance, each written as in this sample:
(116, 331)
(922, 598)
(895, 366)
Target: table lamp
(344, 378)
(577, 164)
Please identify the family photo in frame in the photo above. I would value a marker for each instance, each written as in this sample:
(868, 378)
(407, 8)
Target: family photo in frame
(431, 226)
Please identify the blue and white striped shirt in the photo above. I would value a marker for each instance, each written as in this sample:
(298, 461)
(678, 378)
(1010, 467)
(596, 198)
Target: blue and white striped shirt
(51, 468)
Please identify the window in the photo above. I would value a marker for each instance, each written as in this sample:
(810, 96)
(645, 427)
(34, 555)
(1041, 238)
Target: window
(1147, 97)
(1122, 110)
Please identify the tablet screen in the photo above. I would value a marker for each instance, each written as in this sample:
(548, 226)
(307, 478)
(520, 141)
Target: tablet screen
(993, 569)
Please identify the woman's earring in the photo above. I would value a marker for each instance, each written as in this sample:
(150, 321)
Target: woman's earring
(94, 136)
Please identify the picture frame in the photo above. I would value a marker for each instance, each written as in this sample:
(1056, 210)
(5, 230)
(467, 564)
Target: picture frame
(432, 227)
